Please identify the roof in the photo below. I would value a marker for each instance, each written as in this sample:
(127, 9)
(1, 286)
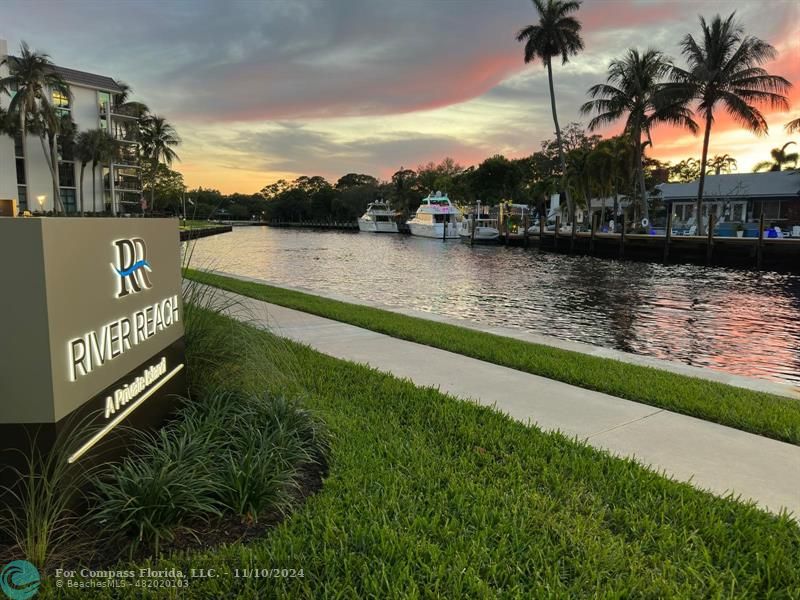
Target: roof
(84, 79)
(773, 184)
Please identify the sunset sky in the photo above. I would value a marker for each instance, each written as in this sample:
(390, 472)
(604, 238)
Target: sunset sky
(267, 90)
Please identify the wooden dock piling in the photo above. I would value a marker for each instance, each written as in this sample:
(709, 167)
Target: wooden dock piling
(668, 235)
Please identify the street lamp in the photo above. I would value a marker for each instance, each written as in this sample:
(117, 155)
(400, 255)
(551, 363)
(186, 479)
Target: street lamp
(40, 200)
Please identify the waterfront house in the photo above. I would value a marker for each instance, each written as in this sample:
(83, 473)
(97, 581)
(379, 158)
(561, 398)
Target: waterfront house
(740, 198)
(24, 174)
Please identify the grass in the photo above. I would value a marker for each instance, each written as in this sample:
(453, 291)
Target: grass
(429, 496)
(757, 412)
(197, 224)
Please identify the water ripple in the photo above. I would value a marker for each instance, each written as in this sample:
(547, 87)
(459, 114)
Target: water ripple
(731, 320)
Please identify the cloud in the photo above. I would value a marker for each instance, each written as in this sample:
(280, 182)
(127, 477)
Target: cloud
(261, 90)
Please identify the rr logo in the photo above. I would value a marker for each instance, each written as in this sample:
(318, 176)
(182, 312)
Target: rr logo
(132, 266)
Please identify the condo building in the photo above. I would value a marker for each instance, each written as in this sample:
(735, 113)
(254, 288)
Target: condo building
(92, 104)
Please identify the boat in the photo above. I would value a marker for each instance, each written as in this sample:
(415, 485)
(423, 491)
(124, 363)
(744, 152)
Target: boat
(378, 218)
(486, 229)
(514, 217)
(436, 217)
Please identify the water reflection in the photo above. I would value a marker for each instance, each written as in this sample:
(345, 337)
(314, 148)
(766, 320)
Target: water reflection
(735, 321)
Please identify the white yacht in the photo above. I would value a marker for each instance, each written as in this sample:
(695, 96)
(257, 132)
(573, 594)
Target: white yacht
(486, 229)
(436, 217)
(379, 218)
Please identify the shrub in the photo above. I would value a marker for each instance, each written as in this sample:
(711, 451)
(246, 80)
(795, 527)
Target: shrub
(227, 453)
(150, 496)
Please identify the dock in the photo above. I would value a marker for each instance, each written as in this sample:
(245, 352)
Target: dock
(763, 252)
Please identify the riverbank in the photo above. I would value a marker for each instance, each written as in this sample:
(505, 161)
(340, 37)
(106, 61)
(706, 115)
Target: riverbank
(193, 233)
(753, 411)
(429, 494)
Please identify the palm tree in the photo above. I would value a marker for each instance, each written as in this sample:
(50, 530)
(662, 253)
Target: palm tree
(84, 153)
(779, 159)
(793, 126)
(633, 90)
(685, 171)
(724, 69)
(718, 164)
(31, 78)
(556, 34)
(158, 139)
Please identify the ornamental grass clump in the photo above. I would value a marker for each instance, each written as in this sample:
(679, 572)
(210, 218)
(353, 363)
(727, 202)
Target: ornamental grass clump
(226, 455)
(162, 489)
(40, 504)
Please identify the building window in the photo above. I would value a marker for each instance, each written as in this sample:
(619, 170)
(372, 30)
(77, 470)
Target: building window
(19, 149)
(22, 197)
(21, 171)
(103, 101)
(68, 199)
(61, 102)
(66, 174)
(771, 209)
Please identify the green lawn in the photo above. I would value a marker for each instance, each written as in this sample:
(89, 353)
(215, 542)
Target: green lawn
(429, 496)
(196, 224)
(766, 414)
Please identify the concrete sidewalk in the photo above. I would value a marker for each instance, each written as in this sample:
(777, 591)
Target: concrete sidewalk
(714, 457)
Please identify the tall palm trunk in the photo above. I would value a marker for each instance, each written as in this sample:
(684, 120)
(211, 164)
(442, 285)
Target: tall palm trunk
(83, 168)
(640, 178)
(570, 207)
(94, 188)
(153, 187)
(56, 174)
(702, 183)
(48, 158)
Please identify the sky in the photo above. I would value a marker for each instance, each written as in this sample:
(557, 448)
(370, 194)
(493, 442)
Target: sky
(265, 90)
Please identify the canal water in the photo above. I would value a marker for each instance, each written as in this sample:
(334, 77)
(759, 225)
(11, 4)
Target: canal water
(736, 321)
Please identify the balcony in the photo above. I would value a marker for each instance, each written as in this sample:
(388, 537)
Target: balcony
(127, 154)
(125, 184)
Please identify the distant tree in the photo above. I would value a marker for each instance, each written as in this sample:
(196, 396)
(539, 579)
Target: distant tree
(724, 69)
(311, 184)
(685, 171)
(169, 186)
(274, 189)
(780, 158)
(432, 176)
(556, 34)
(721, 163)
(496, 179)
(355, 180)
(404, 190)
